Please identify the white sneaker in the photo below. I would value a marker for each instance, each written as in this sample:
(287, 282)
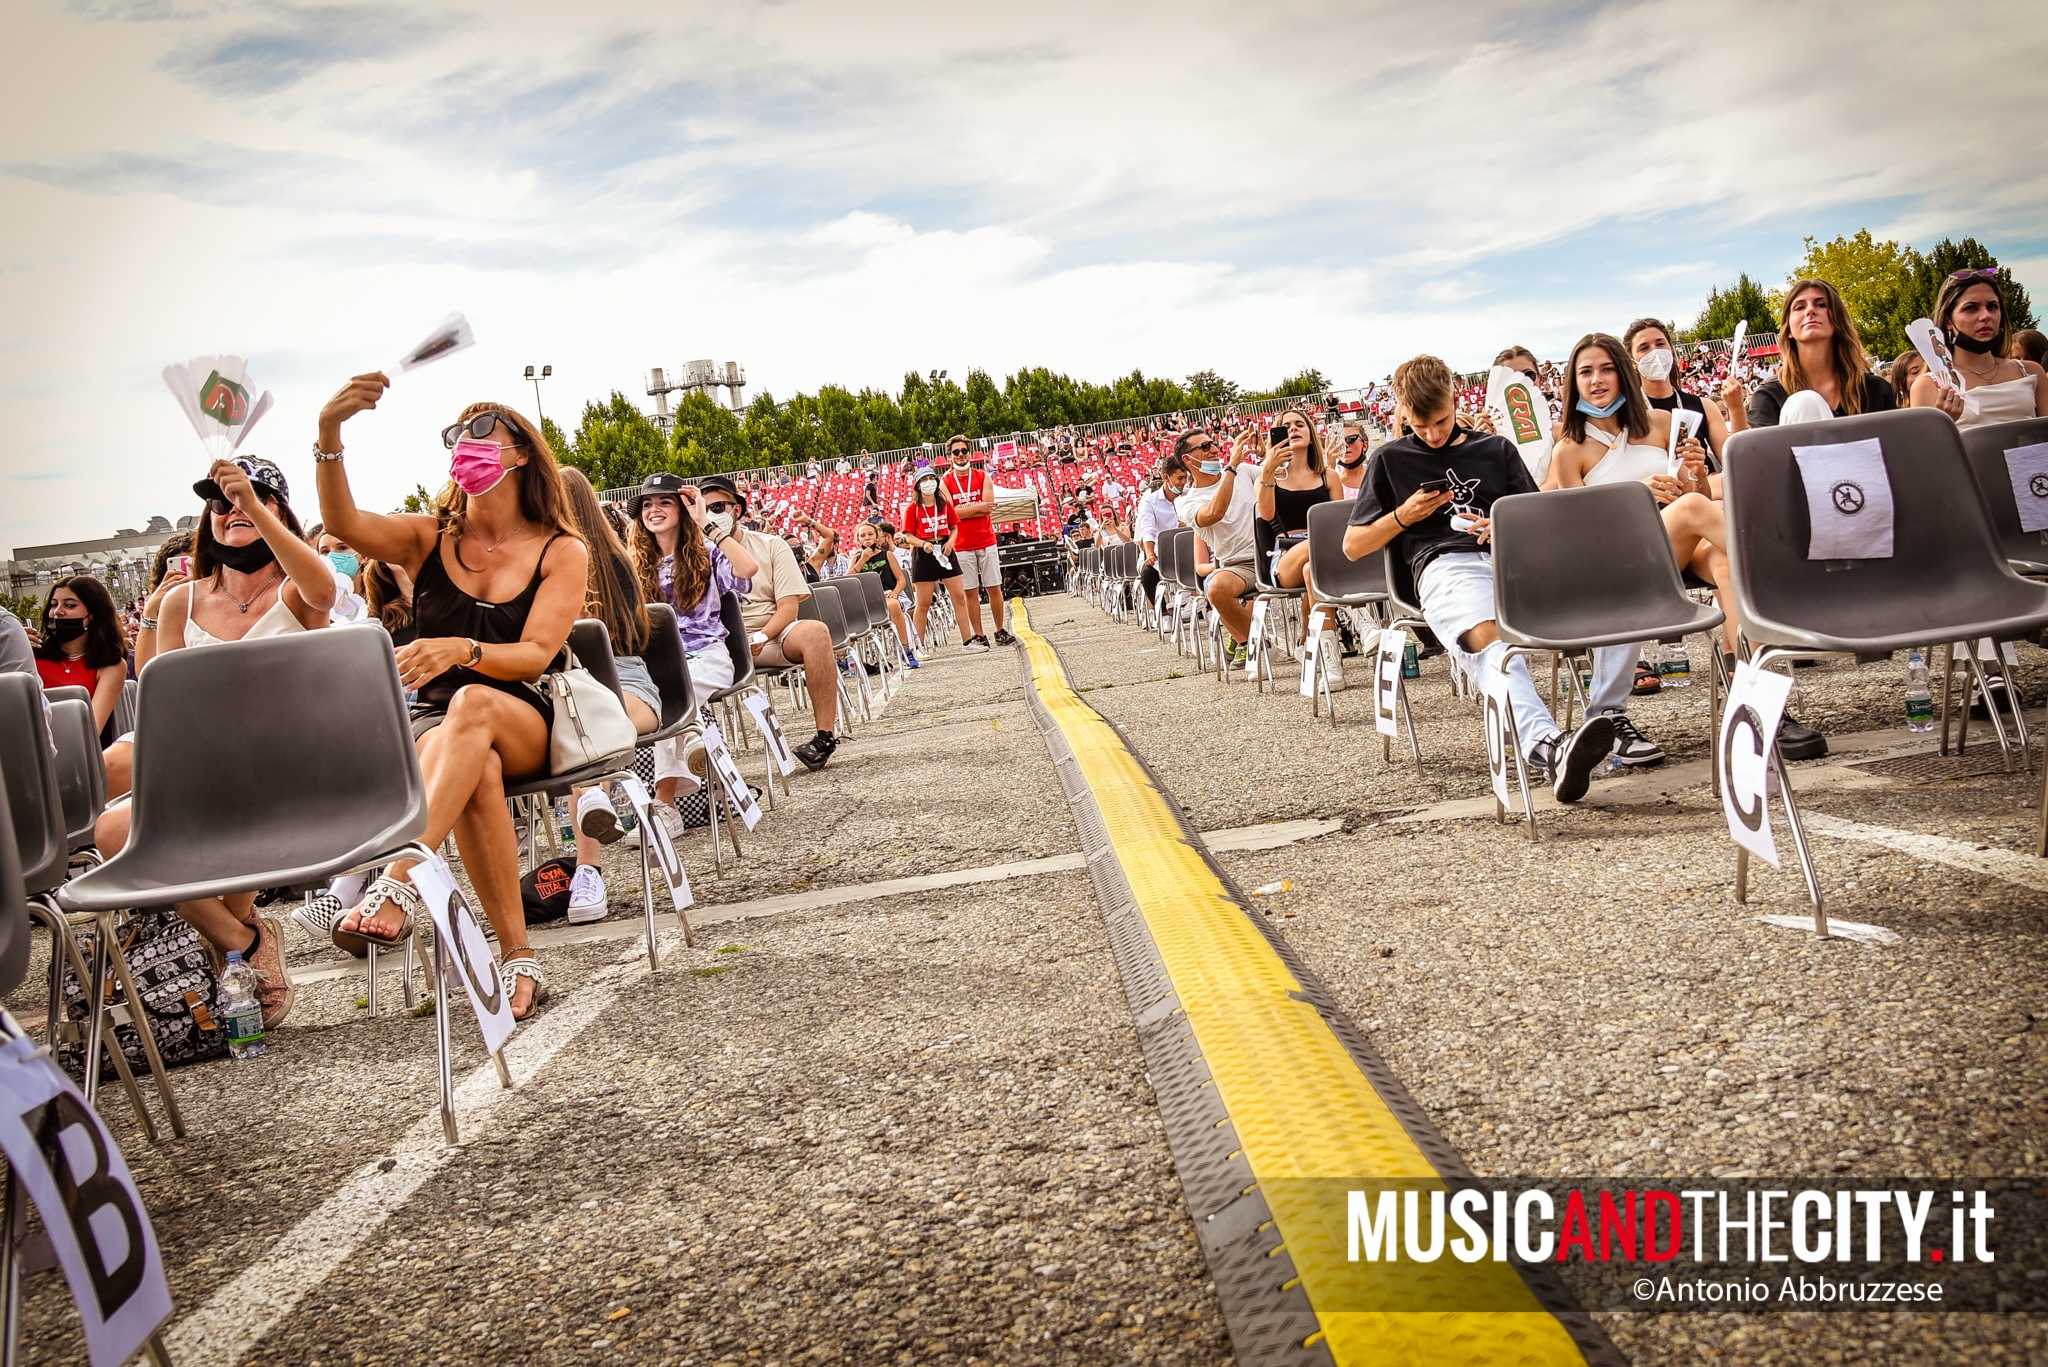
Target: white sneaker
(696, 758)
(587, 900)
(1331, 651)
(596, 818)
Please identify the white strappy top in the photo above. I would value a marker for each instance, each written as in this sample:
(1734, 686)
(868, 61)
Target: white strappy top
(1625, 464)
(279, 620)
(2006, 401)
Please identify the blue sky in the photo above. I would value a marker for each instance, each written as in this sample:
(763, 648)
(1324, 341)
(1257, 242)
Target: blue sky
(835, 193)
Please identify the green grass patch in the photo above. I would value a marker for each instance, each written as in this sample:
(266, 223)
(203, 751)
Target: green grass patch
(711, 972)
(734, 949)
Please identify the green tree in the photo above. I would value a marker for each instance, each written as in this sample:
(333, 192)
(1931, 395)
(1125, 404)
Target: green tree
(1209, 388)
(616, 444)
(419, 500)
(1871, 275)
(707, 437)
(1745, 299)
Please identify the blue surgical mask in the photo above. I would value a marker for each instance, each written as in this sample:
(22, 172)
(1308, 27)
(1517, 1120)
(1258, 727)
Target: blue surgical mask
(345, 563)
(1210, 467)
(1593, 410)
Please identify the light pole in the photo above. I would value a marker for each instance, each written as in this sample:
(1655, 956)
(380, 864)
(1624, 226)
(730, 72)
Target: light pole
(545, 372)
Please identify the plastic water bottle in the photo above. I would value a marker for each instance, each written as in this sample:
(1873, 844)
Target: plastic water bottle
(1411, 662)
(1919, 694)
(1674, 665)
(238, 986)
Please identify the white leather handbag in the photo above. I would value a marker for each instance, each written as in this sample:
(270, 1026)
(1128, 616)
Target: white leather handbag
(590, 722)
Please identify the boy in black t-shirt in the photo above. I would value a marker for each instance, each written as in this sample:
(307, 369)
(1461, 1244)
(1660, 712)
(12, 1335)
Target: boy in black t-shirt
(1428, 495)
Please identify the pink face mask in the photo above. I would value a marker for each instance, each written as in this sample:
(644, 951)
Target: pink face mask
(475, 466)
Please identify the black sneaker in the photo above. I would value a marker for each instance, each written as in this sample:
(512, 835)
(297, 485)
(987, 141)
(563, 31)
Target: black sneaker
(1632, 747)
(975, 643)
(1586, 751)
(817, 750)
(1800, 742)
(1004, 638)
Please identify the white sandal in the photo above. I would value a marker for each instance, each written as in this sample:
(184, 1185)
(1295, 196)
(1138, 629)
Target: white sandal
(527, 966)
(385, 889)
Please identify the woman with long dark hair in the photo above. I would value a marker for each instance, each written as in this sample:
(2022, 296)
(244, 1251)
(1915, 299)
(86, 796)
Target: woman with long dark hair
(1648, 341)
(252, 575)
(82, 645)
(1970, 312)
(1293, 478)
(929, 526)
(498, 579)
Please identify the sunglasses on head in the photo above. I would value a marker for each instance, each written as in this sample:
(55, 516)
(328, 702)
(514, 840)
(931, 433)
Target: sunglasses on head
(480, 426)
(1983, 272)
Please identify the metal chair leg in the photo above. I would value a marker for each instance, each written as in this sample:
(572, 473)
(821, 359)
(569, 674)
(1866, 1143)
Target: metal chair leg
(143, 1033)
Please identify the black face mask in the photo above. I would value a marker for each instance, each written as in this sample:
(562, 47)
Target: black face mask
(63, 629)
(1958, 337)
(247, 559)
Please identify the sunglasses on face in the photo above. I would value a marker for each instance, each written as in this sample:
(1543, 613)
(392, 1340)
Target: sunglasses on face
(223, 507)
(1353, 439)
(718, 507)
(480, 427)
(1202, 449)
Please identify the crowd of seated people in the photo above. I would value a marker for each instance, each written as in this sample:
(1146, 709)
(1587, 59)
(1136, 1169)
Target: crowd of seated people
(478, 595)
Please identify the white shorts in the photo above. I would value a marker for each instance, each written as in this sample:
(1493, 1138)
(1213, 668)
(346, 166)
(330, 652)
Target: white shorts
(1457, 593)
(981, 569)
(708, 673)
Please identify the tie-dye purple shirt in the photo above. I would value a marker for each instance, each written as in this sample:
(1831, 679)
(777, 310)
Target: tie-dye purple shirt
(700, 625)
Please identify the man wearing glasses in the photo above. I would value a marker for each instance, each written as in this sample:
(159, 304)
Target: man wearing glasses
(974, 545)
(779, 638)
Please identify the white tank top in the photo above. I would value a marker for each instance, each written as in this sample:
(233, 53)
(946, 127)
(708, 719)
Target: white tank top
(1624, 464)
(278, 621)
(2006, 401)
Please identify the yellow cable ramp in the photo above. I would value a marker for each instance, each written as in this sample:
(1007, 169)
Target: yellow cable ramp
(1308, 1121)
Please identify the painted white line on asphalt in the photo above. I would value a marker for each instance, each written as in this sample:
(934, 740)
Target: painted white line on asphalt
(235, 1319)
(2005, 865)
(1270, 836)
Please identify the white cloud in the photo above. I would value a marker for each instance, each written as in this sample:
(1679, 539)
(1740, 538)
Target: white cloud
(836, 193)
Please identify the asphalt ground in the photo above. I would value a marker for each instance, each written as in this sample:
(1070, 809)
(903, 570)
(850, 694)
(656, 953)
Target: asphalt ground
(918, 1127)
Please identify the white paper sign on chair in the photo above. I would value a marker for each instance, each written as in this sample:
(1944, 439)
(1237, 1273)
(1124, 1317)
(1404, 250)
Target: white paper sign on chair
(660, 846)
(736, 791)
(1386, 681)
(771, 732)
(92, 1211)
(1848, 499)
(1499, 713)
(1258, 636)
(1312, 653)
(2027, 467)
(1749, 727)
(470, 961)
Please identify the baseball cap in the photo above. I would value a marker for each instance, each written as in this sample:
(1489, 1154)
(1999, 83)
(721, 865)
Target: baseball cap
(262, 473)
(660, 482)
(723, 484)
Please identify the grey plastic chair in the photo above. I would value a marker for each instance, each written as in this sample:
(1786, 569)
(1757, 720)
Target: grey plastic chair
(2026, 551)
(746, 681)
(1359, 586)
(1577, 569)
(1192, 608)
(1948, 579)
(860, 627)
(212, 819)
(534, 797)
(81, 772)
(14, 918)
(824, 606)
(1264, 587)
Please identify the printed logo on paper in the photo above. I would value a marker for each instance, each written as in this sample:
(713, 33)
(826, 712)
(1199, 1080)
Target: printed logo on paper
(1848, 496)
(226, 402)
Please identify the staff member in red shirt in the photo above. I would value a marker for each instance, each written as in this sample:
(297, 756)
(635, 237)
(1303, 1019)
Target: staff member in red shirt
(968, 490)
(927, 527)
(82, 645)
